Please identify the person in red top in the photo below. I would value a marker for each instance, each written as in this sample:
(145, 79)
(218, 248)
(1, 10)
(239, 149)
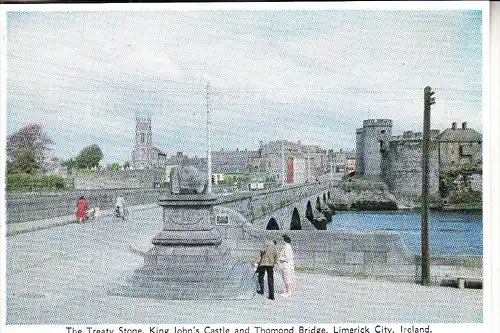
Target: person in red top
(81, 209)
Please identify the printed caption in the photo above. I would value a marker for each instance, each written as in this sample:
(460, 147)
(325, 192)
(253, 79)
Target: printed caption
(344, 328)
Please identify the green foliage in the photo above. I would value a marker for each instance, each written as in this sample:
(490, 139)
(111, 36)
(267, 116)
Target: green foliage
(462, 197)
(89, 157)
(126, 165)
(26, 162)
(29, 143)
(455, 184)
(114, 166)
(34, 182)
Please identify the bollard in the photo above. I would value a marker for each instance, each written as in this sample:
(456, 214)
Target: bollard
(461, 283)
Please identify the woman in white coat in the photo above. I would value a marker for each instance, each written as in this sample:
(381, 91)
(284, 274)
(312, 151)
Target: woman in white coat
(286, 265)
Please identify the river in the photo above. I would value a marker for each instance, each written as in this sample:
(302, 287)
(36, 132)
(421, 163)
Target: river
(450, 233)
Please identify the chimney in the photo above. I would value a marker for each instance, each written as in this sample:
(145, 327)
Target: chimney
(453, 125)
(464, 125)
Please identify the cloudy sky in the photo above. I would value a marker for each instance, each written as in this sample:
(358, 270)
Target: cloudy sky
(300, 75)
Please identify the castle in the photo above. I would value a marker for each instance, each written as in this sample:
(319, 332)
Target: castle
(145, 155)
(398, 159)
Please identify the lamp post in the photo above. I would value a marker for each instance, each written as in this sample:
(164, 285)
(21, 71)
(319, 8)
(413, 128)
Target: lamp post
(209, 148)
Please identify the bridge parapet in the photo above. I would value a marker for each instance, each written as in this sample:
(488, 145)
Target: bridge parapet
(262, 205)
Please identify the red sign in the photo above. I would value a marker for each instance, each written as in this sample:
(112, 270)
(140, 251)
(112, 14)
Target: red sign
(289, 178)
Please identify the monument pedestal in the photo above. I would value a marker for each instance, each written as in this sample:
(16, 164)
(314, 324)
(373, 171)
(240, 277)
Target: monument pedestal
(188, 260)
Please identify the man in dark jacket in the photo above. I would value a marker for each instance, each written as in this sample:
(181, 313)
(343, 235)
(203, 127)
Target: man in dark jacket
(268, 258)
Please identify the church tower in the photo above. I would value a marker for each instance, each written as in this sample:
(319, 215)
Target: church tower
(145, 155)
(141, 156)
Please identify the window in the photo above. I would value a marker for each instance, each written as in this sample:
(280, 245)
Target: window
(382, 132)
(142, 137)
(222, 219)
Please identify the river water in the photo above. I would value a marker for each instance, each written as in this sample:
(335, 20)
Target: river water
(450, 233)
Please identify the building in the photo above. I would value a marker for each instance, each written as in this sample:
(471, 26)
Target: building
(351, 161)
(398, 159)
(344, 162)
(300, 163)
(145, 155)
(459, 147)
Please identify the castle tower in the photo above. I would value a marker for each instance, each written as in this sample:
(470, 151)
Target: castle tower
(359, 151)
(376, 135)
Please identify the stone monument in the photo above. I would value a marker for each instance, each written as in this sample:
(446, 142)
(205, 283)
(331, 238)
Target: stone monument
(189, 260)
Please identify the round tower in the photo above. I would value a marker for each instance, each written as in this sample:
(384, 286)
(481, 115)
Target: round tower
(359, 151)
(376, 134)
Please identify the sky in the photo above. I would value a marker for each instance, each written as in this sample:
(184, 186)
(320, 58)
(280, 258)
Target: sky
(305, 75)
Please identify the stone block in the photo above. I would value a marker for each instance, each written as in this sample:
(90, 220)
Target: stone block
(355, 258)
(375, 258)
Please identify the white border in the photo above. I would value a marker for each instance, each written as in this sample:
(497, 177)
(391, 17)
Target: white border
(490, 138)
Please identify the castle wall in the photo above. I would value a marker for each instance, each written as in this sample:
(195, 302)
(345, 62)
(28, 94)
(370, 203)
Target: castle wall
(404, 167)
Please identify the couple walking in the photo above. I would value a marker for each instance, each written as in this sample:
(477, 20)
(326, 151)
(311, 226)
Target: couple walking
(268, 259)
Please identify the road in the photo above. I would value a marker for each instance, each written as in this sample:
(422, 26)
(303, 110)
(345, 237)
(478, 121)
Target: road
(61, 275)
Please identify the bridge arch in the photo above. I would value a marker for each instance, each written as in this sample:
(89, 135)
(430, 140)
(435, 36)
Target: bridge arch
(272, 224)
(295, 223)
(309, 211)
(318, 204)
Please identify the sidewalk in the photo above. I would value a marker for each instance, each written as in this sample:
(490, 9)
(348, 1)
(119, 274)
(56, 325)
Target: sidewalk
(30, 226)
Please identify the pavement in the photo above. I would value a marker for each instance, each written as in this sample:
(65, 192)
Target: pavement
(29, 226)
(60, 275)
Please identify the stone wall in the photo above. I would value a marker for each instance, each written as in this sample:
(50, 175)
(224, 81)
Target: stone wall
(106, 179)
(404, 167)
(377, 254)
(23, 207)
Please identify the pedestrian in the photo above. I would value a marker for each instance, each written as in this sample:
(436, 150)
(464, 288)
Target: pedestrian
(120, 206)
(81, 209)
(97, 214)
(268, 259)
(287, 266)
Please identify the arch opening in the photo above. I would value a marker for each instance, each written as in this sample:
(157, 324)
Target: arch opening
(309, 211)
(295, 223)
(272, 224)
(318, 204)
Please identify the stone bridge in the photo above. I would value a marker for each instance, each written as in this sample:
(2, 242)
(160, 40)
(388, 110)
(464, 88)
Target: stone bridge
(243, 221)
(273, 209)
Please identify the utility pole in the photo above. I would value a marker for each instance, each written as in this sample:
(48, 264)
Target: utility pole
(209, 148)
(428, 101)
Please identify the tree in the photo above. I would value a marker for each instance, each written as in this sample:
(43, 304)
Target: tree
(126, 165)
(30, 142)
(26, 162)
(89, 157)
(114, 166)
(70, 164)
